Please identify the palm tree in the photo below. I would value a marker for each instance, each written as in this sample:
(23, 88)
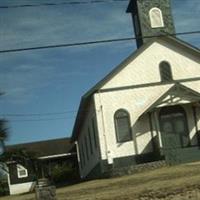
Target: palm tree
(3, 129)
(3, 134)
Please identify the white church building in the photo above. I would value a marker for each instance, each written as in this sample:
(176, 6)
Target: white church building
(148, 107)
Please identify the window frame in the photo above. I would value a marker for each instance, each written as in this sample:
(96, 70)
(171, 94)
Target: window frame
(21, 168)
(94, 132)
(152, 23)
(90, 140)
(162, 72)
(86, 147)
(83, 154)
(117, 129)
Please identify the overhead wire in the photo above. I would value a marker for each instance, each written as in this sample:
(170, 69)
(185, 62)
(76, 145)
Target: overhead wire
(68, 2)
(93, 42)
(69, 45)
(41, 116)
(37, 114)
(60, 3)
(40, 120)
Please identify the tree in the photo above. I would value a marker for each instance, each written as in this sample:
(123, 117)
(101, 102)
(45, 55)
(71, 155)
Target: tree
(3, 130)
(3, 137)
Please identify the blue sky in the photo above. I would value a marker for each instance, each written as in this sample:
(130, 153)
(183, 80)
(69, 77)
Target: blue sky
(53, 80)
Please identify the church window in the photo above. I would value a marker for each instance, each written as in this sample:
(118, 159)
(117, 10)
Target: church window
(122, 125)
(156, 18)
(94, 132)
(90, 140)
(86, 148)
(165, 71)
(83, 154)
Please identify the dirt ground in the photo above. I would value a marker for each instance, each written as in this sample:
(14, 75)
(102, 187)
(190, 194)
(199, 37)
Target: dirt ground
(173, 183)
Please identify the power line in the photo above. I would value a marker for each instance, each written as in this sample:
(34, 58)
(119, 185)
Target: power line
(4, 115)
(7, 116)
(19, 115)
(40, 120)
(37, 114)
(64, 45)
(92, 42)
(61, 3)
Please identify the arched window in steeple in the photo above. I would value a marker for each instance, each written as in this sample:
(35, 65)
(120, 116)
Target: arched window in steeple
(165, 72)
(156, 18)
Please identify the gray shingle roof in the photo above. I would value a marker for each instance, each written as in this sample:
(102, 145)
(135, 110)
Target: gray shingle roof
(45, 148)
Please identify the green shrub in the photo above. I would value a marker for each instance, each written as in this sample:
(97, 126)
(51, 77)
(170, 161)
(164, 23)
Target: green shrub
(3, 188)
(64, 173)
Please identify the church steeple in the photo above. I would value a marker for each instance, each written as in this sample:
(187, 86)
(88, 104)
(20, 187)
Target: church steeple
(150, 18)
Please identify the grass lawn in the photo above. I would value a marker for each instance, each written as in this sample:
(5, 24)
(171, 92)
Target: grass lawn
(157, 183)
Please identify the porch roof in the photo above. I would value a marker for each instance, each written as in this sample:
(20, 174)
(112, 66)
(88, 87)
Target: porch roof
(177, 94)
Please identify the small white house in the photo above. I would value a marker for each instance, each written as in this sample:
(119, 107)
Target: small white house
(49, 153)
(147, 106)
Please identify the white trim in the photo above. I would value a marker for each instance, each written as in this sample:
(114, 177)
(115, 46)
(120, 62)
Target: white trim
(56, 156)
(155, 24)
(10, 162)
(78, 151)
(21, 168)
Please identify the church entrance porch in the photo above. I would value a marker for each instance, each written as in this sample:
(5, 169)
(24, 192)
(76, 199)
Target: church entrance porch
(174, 125)
(175, 118)
(177, 145)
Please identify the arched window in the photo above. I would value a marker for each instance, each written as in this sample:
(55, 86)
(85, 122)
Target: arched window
(122, 126)
(156, 18)
(165, 71)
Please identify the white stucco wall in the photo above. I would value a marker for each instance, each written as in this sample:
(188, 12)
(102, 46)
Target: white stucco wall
(21, 188)
(194, 85)
(109, 102)
(198, 118)
(135, 101)
(94, 158)
(145, 67)
(191, 123)
(142, 134)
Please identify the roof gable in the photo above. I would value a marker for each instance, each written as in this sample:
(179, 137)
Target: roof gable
(168, 39)
(85, 101)
(177, 94)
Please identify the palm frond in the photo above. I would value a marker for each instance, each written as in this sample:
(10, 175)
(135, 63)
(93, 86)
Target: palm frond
(3, 129)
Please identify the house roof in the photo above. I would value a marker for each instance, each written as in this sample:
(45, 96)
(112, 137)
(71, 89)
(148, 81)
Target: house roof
(85, 100)
(131, 6)
(47, 148)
